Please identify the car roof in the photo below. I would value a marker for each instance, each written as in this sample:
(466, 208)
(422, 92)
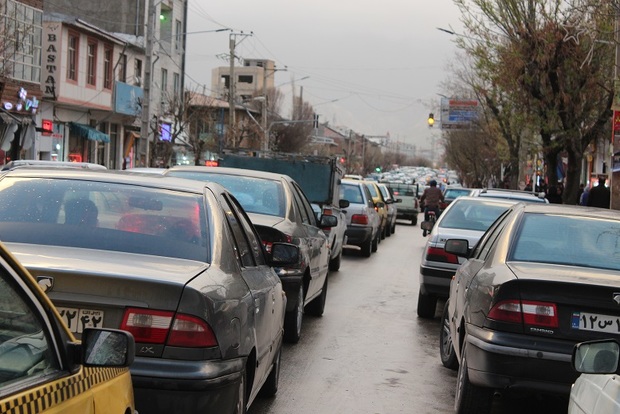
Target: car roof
(571, 210)
(51, 164)
(115, 176)
(231, 171)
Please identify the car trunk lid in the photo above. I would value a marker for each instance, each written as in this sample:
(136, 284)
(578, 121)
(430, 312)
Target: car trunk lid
(94, 287)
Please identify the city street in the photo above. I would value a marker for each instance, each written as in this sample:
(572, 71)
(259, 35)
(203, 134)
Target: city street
(370, 353)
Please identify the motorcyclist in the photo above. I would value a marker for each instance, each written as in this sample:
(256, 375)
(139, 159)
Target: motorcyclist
(431, 197)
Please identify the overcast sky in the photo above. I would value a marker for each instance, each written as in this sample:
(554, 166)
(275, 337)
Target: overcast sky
(373, 66)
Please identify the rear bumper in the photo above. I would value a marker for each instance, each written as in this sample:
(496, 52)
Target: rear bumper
(435, 281)
(165, 386)
(506, 360)
(358, 235)
(406, 214)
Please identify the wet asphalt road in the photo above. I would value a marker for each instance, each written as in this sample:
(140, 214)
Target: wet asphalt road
(370, 353)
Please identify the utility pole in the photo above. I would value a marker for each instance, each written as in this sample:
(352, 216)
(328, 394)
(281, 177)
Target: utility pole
(231, 89)
(146, 97)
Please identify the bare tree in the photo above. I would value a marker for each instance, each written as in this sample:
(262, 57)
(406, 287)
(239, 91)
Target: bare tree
(546, 60)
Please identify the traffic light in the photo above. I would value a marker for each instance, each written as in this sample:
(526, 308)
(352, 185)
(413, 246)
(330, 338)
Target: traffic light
(431, 119)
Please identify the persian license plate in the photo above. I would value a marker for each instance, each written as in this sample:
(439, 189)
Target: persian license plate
(585, 321)
(79, 319)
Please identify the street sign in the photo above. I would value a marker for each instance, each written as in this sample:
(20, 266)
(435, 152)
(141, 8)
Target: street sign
(458, 113)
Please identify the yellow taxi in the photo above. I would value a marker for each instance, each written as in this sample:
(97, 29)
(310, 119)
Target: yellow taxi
(43, 368)
(380, 205)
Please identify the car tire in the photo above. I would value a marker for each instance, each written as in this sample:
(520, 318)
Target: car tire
(426, 306)
(334, 264)
(270, 387)
(293, 319)
(446, 347)
(383, 233)
(367, 248)
(317, 306)
(394, 227)
(414, 220)
(470, 398)
(242, 397)
(376, 241)
(388, 230)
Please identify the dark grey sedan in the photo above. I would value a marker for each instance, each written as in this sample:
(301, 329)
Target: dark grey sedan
(541, 279)
(281, 213)
(175, 262)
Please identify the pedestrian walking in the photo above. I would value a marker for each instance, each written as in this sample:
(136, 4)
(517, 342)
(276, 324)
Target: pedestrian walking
(600, 195)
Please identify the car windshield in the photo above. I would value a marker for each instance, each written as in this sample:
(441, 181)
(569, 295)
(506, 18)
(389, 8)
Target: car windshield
(568, 240)
(103, 216)
(472, 215)
(256, 195)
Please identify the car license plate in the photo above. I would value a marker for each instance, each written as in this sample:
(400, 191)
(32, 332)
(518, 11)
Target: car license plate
(585, 321)
(79, 319)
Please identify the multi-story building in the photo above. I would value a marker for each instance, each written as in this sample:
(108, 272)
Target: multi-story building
(255, 77)
(91, 94)
(20, 75)
(164, 36)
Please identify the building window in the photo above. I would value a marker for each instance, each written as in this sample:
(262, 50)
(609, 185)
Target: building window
(164, 80)
(91, 63)
(107, 67)
(137, 72)
(176, 84)
(72, 57)
(246, 78)
(122, 68)
(22, 31)
(178, 44)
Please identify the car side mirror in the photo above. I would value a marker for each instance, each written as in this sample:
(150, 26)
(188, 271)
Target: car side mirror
(380, 204)
(108, 348)
(283, 254)
(597, 357)
(399, 200)
(459, 247)
(343, 203)
(327, 220)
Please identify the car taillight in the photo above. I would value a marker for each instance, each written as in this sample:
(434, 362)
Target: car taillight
(435, 254)
(163, 327)
(359, 219)
(530, 313)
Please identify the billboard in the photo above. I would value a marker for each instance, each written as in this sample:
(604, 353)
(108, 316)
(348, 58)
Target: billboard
(458, 113)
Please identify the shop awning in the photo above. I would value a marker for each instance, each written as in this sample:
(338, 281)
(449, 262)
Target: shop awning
(88, 132)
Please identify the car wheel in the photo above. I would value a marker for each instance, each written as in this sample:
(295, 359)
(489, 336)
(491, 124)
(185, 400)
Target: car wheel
(388, 230)
(293, 319)
(383, 233)
(414, 220)
(240, 407)
(470, 398)
(270, 387)
(317, 306)
(394, 227)
(367, 248)
(376, 241)
(426, 306)
(446, 348)
(334, 264)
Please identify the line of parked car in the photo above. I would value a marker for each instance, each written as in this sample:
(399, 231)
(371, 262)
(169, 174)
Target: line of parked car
(190, 278)
(532, 299)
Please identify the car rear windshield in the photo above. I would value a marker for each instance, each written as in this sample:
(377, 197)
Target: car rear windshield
(351, 193)
(472, 215)
(455, 192)
(103, 216)
(568, 240)
(256, 195)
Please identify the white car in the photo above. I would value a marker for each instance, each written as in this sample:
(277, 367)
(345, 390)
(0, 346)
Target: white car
(597, 390)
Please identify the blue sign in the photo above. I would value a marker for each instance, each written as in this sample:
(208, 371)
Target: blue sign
(128, 99)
